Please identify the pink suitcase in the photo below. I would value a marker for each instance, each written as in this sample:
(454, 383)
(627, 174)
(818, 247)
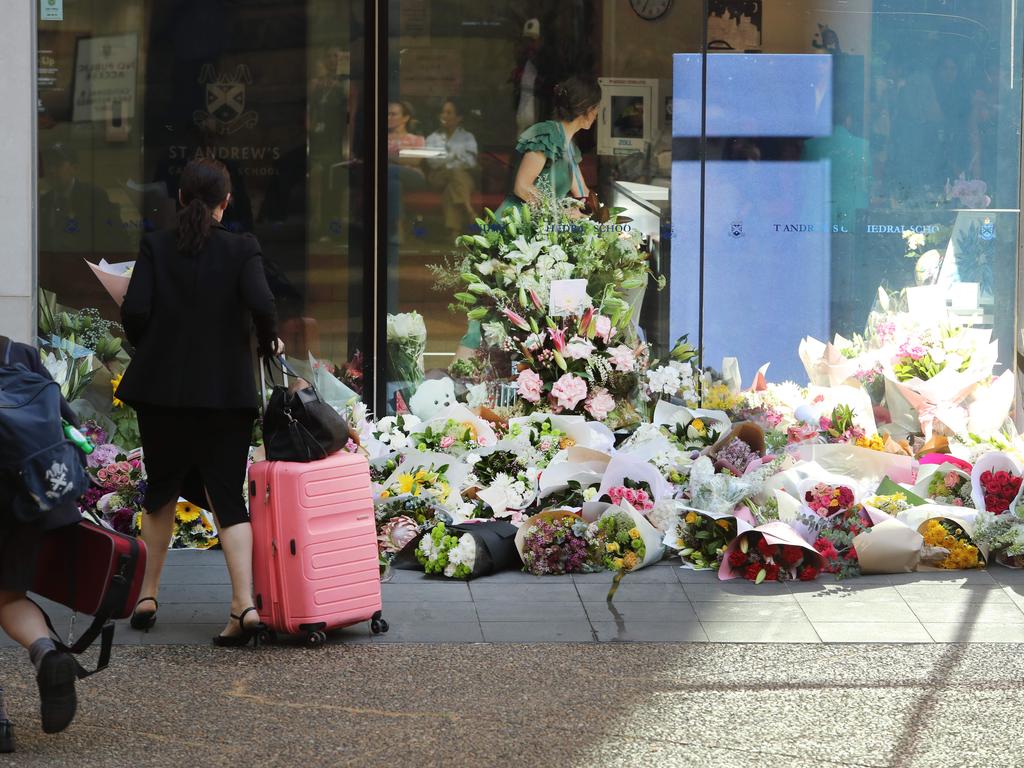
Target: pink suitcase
(315, 565)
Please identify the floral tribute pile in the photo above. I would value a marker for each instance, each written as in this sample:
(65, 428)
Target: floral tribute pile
(563, 446)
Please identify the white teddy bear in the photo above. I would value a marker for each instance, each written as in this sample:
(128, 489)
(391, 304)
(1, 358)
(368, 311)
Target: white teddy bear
(431, 397)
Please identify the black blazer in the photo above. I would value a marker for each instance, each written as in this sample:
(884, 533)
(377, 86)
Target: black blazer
(190, 320)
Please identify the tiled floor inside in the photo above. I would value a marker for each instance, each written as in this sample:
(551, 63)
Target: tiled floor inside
(661, 603)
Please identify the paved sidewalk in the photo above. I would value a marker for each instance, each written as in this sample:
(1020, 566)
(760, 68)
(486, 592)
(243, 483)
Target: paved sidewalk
(613, 705)
(662, 603)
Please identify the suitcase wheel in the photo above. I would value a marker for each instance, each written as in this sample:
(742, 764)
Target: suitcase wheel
(316, 639)
(268, 637)
(378, 626)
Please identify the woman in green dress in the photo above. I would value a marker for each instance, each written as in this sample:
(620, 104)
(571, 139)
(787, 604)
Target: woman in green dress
(547, 149)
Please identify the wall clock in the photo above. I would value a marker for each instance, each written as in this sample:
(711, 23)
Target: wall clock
(650, 9)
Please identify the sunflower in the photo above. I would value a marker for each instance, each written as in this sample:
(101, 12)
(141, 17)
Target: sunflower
(187, 513)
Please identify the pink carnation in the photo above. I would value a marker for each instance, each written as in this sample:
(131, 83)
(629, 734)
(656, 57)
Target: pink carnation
(603, 327)
(600, 404)
(447, 442)
(530, 385)
(569, 391)
(622, 358)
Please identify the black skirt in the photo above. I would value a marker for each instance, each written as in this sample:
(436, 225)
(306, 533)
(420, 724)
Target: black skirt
(195, 453)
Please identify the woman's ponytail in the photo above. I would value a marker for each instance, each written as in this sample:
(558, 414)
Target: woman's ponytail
(205, 184)
(194, 223)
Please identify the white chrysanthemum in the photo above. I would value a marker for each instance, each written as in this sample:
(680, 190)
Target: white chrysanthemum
(664, 380)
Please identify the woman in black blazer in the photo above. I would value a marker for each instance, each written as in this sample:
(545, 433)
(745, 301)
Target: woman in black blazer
(194, 296)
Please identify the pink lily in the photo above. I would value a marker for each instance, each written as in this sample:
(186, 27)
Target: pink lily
(516, 319)
(585, 321)
(557, 338)
(536, 300)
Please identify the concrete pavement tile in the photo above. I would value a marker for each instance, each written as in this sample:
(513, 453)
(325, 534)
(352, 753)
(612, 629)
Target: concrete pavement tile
(1004, 575)
(432, 632)
(960, 593)
(650, 632)
(428, 612)
(194, 557)
(522, 577)
(176, 575)
(181, 634)
(967, 613)
(529, 611)
(951, 632)
(844, 610)
(750, 632)
(627, 591)
(434, 592)
(631, 611)
(974, 576)
(860, 632)
(656, 574)
(537, 631)
(192, 613)
(725, 591)
(876, 594)
(690, 576)
(197, 593)
(522, 593)
(748, 611)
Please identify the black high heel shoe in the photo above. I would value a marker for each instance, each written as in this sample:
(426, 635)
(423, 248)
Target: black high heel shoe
(145, 620)
(250, 633)
(6, 737)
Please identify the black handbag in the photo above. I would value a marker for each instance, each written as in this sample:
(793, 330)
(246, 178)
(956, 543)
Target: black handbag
(299, 426)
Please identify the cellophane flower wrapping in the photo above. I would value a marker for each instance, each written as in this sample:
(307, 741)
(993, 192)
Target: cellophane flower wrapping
(556, 542)
(770, 552)
(701, 538)
(406, 341)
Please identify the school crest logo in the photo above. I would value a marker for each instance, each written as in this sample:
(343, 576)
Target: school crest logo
(736, 229)
(225, 100)
(988, 229)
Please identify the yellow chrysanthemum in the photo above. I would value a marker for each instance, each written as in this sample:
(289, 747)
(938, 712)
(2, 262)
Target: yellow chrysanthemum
(691, 518)
(114, 384)
(405, 483)
(612, 546)
(186, 513)
(697, 425)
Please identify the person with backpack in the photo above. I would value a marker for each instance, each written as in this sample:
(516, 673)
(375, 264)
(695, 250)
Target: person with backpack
(195, 294)
(41, 477)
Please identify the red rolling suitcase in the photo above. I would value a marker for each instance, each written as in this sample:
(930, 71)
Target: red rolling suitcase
(91, 570)
(315, 562)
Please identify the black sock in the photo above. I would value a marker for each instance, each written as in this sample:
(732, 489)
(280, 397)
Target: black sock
(39, 649)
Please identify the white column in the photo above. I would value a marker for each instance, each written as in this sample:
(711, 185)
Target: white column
(18, 164)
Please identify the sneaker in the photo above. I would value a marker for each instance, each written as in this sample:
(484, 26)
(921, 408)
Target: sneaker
(57, 700)
(6, 737)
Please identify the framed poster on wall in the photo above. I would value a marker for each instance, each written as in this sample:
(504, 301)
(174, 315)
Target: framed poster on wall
(105, 75)
(735, 24)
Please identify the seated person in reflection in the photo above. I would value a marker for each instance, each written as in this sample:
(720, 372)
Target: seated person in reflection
(452, 173)
(74, 215)
(401, 124)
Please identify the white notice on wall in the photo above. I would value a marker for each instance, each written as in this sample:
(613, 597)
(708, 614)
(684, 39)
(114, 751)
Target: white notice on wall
(105, 69)
(51, 10)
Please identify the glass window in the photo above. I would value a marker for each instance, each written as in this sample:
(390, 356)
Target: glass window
(130, 91)
(825, 161)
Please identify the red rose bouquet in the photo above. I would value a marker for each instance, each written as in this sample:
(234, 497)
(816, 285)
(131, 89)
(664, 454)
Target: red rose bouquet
(771, 552)
(1000, 488)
